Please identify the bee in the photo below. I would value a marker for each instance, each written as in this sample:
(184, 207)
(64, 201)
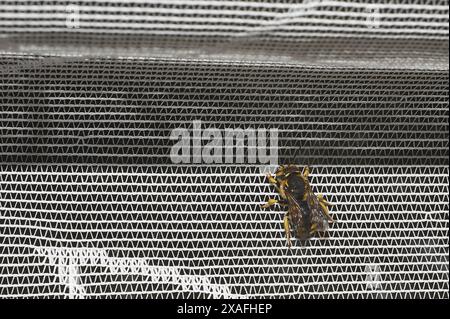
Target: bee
(307, 213)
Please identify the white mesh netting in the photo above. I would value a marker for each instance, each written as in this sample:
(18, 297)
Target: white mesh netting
(91, 204)
(391, 239)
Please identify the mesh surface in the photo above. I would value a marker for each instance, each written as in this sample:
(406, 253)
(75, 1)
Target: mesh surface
(91, 204)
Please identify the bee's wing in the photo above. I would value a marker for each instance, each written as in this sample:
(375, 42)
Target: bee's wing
(298, 216)
(317, 215)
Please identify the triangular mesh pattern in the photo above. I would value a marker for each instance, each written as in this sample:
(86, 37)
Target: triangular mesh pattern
(92, 206)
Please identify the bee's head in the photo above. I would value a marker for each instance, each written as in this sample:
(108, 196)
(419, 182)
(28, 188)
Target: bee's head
(280, 171)
(286, 170)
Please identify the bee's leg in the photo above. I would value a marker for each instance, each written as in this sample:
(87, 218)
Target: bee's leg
(274, 182)
(283, 202)
(313, 229)
(269, 203)
(327, 213)
(306, 171)
(324, 205)
(322, 200)
(280, 189)
(272, 202)
(271, 179)
(287, 230)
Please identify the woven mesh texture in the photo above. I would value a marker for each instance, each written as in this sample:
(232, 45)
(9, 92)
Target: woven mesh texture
(207, 222)
(92, 205)
(368, 33)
